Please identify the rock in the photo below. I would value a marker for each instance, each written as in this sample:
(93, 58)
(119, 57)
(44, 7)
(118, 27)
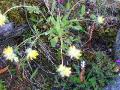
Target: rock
(117, 46)
(115, 85)
(6, 29)
(8, 32)
(116, 82)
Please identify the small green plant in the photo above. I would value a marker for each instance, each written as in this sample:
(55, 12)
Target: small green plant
(99, 73)
(62, 29)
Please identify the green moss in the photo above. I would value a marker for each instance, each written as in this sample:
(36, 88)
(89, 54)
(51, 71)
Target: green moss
(15, 15)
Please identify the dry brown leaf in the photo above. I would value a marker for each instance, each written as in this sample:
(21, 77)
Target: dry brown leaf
(3, 70)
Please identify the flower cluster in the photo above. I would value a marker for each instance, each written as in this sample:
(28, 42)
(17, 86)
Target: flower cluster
(64, 71)
(2, 19)
(10, 55)
(31, 54)
(74, 52)
(100, 19)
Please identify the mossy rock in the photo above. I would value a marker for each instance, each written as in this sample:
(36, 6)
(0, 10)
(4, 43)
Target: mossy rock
(16, 15)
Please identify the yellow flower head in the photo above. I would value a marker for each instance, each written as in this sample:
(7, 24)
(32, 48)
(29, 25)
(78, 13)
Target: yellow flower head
(64, 71)
(9, 54)
(100, 19)
(74, 52)
(31, 54)
(8, 51)
(2, 19)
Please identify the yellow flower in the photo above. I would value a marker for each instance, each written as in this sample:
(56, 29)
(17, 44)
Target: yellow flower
(2, 19)
(74, 52)
(8, 51)
(100, 19)
(9, 54)
(64, 71)
(31, 54)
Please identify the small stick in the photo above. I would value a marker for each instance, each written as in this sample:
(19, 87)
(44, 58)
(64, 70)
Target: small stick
(82, 75)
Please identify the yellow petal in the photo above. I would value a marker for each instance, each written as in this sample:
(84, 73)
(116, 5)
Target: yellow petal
(64, 71)
(74, 52)
(32, 54)
(9, 54)
(8, 51)
(60, 68)
(67, 71)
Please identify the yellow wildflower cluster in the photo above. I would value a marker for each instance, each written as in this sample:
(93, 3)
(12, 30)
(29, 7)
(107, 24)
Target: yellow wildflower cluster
(31, 54)
(74, 52)
(64, 71)
(2, 19)
(9, 54)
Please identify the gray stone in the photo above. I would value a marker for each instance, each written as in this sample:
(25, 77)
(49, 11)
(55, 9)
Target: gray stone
(116, 82)
(8, 31)
(11, 30)
(115, 85)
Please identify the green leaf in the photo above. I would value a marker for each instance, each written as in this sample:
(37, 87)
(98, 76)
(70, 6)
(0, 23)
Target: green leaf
(93, 81)
(57, 28)
(77, 68)
(34, 9)
(68, 5)
(65, 22)
(2, 85)
(34, 73)
(92, 16)
(82, 10)
(53, 6)
(54, 41)
(78, 28)
(75, 79)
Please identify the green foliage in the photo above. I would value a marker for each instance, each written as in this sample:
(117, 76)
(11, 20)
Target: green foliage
(82, 10)
(75, 79)
(63, 29)
(60, 26)
(93, 17)
(33, 9)
(2, 85)
(101, 71)
(98, 74)
(68, 5)
(34, 74)
(54, 41)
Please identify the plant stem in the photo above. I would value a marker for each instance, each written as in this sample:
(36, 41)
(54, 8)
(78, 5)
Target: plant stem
(20, 7)
(15, 8)
(61, 49)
